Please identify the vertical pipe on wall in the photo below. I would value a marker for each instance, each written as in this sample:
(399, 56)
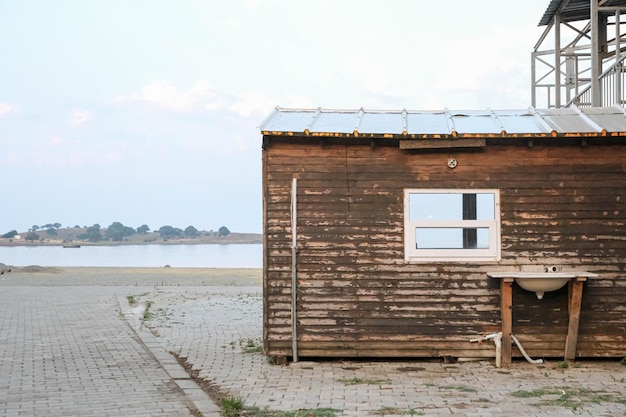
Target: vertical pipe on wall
(294, 277)
(557, 61)
(596, 58)
(533, 75)
(618, 56)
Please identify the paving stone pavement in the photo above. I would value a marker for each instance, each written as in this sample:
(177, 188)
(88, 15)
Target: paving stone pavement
(219, 330)
(82, 350)
(66, 351)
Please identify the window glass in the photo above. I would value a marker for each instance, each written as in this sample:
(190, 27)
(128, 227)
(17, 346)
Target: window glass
(450, 206)
(485, 206)
(450, 238)
(436, 206)
(452, 225)
(482, 238)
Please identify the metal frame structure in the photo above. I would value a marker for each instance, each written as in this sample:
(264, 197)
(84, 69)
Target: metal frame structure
(585, 64)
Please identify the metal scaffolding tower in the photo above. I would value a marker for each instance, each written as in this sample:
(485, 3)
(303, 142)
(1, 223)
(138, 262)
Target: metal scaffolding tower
(585, 64)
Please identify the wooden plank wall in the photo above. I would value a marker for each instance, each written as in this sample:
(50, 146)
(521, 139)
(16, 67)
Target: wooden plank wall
(560, 205)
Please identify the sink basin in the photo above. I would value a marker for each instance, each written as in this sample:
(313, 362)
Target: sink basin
(541, 282)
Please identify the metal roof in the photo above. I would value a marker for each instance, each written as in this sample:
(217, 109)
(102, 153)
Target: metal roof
(561, 122)
(574, 10)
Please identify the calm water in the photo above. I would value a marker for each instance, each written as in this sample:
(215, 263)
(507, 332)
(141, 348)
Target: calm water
(181, 256)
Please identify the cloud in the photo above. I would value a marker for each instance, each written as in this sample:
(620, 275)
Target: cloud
(167, 96)
(251, 4)
(252, 102)
(13, 159)
(203, 97)
(235, 23)
(5, 109)
(79, 118)
(57, 140)
(294, 100)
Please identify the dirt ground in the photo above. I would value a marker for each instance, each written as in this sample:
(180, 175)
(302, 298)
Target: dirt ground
(43, 276)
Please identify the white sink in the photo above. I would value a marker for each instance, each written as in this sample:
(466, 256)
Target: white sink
(540, 282)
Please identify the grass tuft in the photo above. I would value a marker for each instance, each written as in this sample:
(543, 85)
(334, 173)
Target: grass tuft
(384, 411)
(461, 388)
(257, 412)
(231, 406)
(364, 381)
(567, 397)
(251, 345)
(147, 315)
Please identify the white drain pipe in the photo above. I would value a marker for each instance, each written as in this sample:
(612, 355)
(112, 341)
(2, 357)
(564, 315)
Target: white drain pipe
(294, 276)
(521, 349)
(497, 340)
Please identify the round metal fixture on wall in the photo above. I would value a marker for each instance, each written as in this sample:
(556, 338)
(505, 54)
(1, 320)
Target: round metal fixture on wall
(452, 163)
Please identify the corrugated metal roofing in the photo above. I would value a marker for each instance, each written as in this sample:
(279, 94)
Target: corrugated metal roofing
(573, 10)
(568, 122)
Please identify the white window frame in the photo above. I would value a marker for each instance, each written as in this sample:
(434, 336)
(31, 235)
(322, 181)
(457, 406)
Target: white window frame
(413, 254)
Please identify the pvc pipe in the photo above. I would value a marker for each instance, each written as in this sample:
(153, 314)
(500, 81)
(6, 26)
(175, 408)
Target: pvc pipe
(294, 276)
(498, 341)
(521, 349)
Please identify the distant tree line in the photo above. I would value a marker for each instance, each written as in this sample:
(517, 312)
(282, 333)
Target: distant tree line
(10, 235)
(116, 232)
(50, 229)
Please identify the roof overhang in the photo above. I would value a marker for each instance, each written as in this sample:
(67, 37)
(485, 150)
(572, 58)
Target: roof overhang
(575, 10)
(455, 125)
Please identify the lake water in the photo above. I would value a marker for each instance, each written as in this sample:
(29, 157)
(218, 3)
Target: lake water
(178, 256)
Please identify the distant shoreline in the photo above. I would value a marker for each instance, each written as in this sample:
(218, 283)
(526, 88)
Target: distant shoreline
(181, 242)
(71, 241)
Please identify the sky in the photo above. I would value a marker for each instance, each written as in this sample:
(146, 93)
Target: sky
(147, 111)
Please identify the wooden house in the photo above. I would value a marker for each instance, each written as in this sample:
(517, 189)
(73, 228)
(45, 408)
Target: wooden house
(381, 227)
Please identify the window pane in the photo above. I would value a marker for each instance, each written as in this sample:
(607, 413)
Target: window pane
(436, 206)
(438, 238)
(486, 206)
(444, 206)
(483, 238)
(449, 238)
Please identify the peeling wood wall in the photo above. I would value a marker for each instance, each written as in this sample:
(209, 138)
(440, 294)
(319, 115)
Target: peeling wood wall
(560, 205)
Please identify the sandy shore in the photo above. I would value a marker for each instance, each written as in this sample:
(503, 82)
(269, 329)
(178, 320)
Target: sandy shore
(45, 276)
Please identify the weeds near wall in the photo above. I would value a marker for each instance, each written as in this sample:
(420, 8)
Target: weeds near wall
(315, 412)
(567, 397)
(365, 381)
(147, 315)
(397, 411)
(251, 345)
(460, 388)
(231, 406)
(235, 407)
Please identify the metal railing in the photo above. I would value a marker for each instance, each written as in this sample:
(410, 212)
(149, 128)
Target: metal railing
(612, 82)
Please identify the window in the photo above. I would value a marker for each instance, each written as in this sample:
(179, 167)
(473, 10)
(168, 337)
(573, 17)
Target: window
(451, 225)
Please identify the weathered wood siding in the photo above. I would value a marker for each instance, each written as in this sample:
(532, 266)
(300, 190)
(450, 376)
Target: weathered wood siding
(357, 297)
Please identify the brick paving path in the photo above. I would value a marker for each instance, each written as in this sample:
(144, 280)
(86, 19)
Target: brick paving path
(81, 350)
(213, 326)
(66, 351)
